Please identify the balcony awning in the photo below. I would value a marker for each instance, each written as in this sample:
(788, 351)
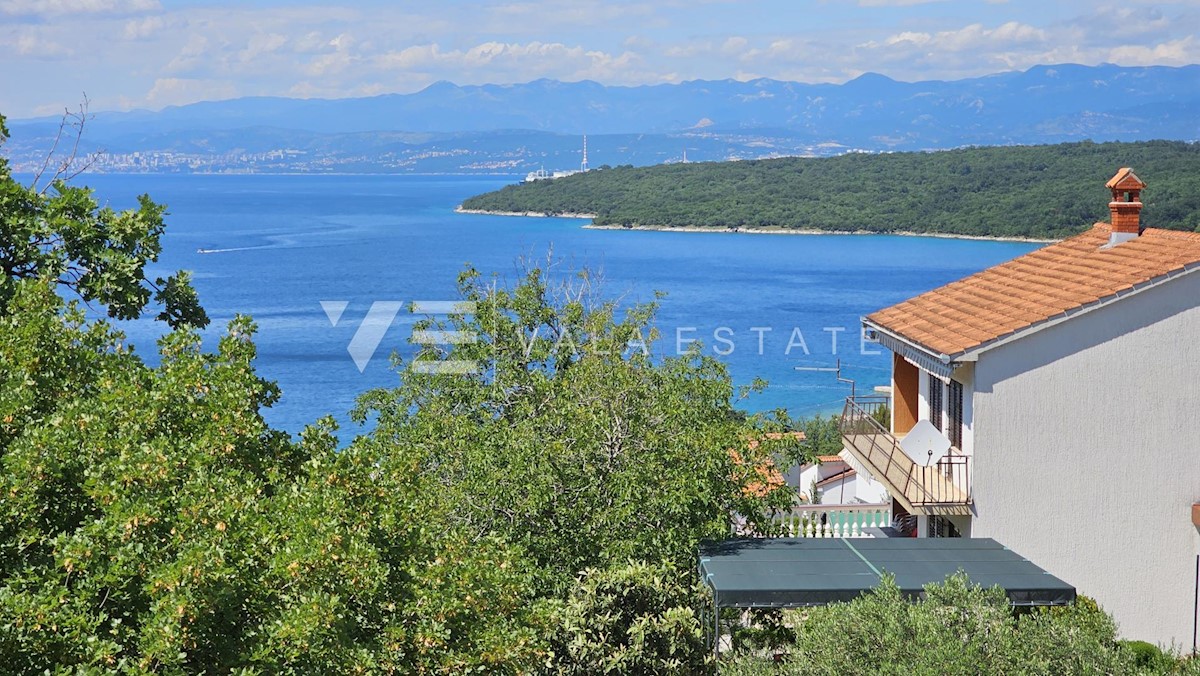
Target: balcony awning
(918, 358)
(792, 572)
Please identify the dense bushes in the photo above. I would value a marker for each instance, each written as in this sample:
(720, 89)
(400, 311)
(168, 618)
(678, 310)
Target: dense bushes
(958, 628)
(632, 619)
(1018, 191)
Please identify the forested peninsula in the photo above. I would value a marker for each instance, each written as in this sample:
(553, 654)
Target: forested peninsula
(1037, 192)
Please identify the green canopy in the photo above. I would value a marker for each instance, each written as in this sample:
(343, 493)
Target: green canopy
(790, 572)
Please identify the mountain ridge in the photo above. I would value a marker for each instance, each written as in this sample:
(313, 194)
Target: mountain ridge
(711, 119)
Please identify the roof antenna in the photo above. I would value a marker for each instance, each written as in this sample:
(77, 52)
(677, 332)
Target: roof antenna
(836, 370)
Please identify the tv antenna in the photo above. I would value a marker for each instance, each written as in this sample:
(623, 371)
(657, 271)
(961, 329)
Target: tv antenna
(836, 370)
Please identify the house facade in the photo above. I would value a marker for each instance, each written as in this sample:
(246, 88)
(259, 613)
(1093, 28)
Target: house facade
(831, 480)
(1067, 382)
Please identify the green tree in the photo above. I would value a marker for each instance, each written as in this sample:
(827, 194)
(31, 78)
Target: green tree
(150, 521)
(566, 442)
(61, 233)
(632, 619)
(982, 191)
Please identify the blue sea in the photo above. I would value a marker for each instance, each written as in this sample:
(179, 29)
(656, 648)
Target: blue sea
(279, 246)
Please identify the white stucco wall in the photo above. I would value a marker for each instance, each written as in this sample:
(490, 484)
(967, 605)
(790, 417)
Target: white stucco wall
(1087, 455)
(853, 489)
(965, 375)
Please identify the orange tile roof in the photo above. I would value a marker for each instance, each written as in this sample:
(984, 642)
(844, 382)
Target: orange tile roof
(1039, 286)
(758, 473)
(830, 458)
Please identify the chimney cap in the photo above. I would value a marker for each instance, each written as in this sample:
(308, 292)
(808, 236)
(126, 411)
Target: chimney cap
(1125, 180)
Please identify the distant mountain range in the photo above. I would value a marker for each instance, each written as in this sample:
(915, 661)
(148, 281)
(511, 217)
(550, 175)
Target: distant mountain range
(446, 127)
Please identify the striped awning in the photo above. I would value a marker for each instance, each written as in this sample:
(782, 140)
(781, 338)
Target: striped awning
(919, 358)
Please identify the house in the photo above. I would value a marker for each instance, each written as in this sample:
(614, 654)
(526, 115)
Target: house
(835, 481)
(1067, 383)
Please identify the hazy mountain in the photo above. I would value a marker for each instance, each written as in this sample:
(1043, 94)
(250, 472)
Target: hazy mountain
(1044, 104)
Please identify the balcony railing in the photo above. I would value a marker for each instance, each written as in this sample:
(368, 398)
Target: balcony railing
(830, 521)
(865, 432)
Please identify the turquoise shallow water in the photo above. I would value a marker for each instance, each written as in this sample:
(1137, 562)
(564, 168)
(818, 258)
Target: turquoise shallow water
(283, 244)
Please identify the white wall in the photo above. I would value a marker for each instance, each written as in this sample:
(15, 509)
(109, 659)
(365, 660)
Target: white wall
(963, 374)
(853, 489)
(1087, 455)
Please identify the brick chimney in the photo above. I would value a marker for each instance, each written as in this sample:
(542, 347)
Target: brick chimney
(1126, 205)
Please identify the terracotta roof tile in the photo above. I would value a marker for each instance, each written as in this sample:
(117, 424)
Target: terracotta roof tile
(1040, 285)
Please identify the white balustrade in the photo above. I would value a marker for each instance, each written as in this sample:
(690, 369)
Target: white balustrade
(837, 521)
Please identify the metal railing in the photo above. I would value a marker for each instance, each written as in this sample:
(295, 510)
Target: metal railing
(948, 482)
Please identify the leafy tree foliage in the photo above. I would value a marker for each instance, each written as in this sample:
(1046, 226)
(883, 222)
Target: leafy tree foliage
(1019, 191)
(957, 628)
(632, 619)
(566, 442)
(96, 252)
(150, 521)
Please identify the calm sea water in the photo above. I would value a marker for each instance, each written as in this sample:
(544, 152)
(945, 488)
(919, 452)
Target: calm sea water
(283, 244)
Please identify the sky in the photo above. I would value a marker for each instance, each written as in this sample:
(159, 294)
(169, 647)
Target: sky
(127, 54)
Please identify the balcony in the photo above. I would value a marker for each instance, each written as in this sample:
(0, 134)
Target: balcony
(943, 488)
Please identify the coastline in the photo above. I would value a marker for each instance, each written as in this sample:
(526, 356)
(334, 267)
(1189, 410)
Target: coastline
(810, 231)
(526, 214)
(749, 231)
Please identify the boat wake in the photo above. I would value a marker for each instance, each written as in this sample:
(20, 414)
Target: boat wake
(237, 248)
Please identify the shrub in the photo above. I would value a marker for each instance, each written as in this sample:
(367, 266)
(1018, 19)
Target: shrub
(1149, 657)
(633, 619)
(958, 628)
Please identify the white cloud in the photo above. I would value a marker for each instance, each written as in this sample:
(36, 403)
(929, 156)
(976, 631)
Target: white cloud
(121, 50)
(734, 45)
(34, 43)
(518, 62)
(260, 44)
(895, 3)
(173, 91)
(971, 37)
(189, 56)
(1174, 52)
(63, 7)
(145, 27)
(689, 50)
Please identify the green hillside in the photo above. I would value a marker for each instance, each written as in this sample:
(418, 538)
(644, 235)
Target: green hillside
(1011, 191)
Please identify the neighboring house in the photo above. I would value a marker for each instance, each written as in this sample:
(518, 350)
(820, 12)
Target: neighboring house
(836, 482)
(1068, 384)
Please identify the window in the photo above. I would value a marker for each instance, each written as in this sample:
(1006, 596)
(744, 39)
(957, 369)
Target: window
(941, 527)
(955, 413)
(935, 402)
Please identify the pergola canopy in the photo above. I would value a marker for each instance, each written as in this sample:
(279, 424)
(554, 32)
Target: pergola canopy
(791, 572)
